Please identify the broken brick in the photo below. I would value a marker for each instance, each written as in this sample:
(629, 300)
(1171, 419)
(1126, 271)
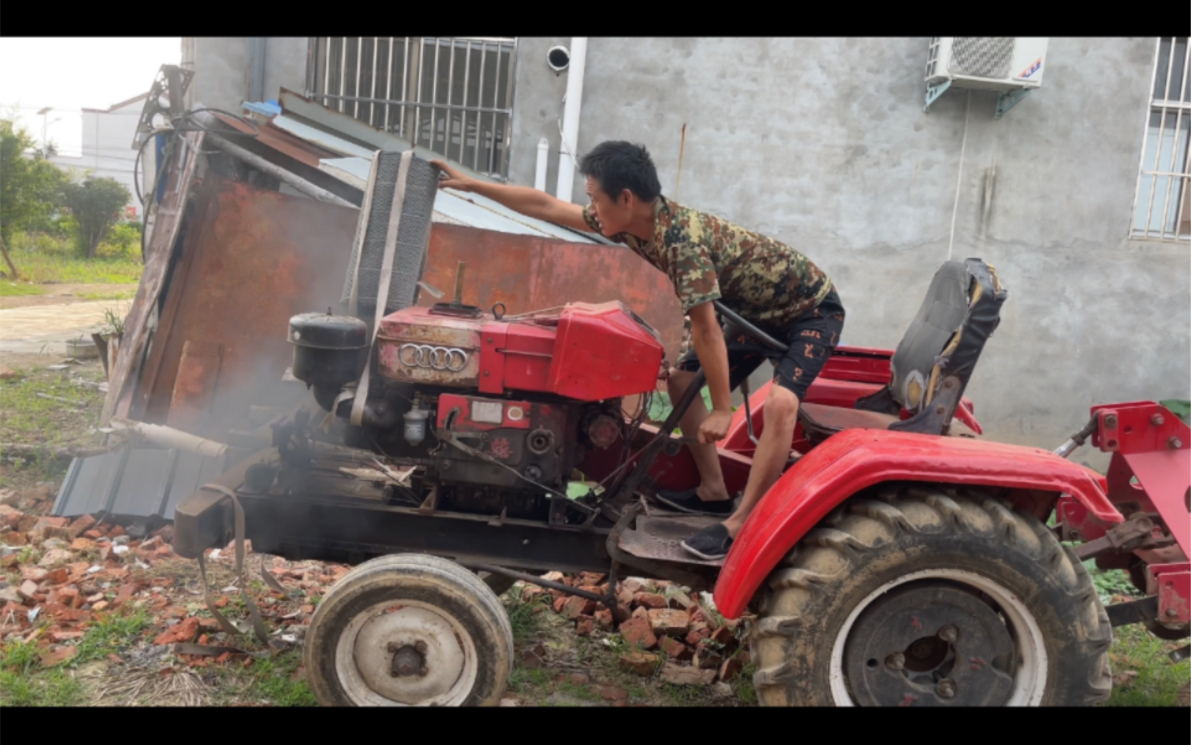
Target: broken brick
(58, 576)
(126, 591)
(559, 602)
(116, 532)
(640, 612)
(81, 525)
(680, 600)
(707, 659)
(684, 675)
(151, 544)
(637, 631)
(54, 557)
(591, 578)
(594, 590)
(613, 693)
(101, 605)
(603, 620)
(15, 538)
(223, 658)
(27, 589)
(553, 576)
(58, 656)
(585, 627)
(307, 609)
(222, 603)
(674, 648)
(639, 663)
(723, 635)
(576, 606)
(82, 544)
(624, 595)
(693, 638)
(649, 600)
(93, 534)
(730, 669)
(668, 621)
(634, 585)
(163, 551)
(69, 597)
(179, 633)
(62, 636)
(34, 574)
(579, 679)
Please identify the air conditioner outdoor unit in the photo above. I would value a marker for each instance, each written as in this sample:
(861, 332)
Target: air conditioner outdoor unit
(1012, 65)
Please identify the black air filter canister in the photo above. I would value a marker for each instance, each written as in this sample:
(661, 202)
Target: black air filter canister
(392, 192)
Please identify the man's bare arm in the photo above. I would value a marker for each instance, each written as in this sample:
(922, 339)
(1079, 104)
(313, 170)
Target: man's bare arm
(708, 339)
(523, 199)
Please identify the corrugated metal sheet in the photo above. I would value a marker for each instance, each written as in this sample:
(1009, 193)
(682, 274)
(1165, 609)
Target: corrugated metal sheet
(318, 137)
(462, 209)
(134, 484)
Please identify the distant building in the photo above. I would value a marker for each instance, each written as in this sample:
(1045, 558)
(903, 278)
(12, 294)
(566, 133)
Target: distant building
(107, 149)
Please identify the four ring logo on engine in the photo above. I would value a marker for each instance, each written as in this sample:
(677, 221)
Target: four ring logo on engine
(432, 358)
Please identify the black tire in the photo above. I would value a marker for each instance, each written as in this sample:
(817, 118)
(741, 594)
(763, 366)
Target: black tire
(401, 601)
(961, 544)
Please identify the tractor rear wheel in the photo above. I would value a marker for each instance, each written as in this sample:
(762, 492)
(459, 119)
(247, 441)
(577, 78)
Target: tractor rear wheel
(928, 595)
(409, 629)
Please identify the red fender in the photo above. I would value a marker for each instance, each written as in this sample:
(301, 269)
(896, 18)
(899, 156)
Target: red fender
(858, 458)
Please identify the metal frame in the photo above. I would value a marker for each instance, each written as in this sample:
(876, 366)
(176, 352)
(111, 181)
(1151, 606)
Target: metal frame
(1180, 106)
(327, 81)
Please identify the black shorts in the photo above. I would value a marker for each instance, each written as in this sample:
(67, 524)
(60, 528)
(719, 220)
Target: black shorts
(811, 341)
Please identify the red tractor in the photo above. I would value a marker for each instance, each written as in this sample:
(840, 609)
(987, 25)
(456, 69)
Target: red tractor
(900, 559)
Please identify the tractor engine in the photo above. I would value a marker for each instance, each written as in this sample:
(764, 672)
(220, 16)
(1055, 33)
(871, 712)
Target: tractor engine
(494, 411)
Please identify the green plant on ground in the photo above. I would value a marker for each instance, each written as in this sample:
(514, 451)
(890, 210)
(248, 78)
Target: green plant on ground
(43, 258)
(111, 633)
(95, 205)
(277, 681)
(30, 418)
(31, 186)
(113, 322)
(525, 621)
(1158, 679)
(23, 682)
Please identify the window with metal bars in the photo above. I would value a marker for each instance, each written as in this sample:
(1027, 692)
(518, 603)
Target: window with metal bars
(1162, 202)
(453, 96)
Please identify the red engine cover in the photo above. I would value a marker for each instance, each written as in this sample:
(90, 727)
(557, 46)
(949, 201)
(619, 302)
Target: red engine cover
(584, 352)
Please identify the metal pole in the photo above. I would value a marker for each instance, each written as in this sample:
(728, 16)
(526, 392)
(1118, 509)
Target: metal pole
(446, 146)
(1145, 137)
(389, 84)
(372, 105)
(404, 81)
(418, 92)
(495, 103)
(359, 64)
(475, 156)
(1178, 125)
(512, 73)
(463, 113)
(434, 93)
(1158, 149)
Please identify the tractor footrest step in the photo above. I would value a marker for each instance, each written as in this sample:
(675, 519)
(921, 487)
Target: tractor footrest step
(660, 538)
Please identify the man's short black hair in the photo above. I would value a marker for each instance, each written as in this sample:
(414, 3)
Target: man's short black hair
(622, 165)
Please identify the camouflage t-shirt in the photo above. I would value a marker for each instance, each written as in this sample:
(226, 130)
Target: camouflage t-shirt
(708, 258)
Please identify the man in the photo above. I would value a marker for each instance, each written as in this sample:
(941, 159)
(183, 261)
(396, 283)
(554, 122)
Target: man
(767, 283)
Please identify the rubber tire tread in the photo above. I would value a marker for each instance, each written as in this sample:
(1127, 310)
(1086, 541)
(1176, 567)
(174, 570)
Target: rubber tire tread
(431, 579)
(896, 530)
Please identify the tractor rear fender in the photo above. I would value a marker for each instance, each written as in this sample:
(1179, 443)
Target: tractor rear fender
(856, 459)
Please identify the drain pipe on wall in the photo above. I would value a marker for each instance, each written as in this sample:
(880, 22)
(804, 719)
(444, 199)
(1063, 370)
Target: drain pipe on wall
(570, 119)
(256, 55)
(539, 178)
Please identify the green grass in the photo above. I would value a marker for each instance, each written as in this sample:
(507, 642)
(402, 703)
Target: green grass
(24, 683)
(28, 418)
(45, 259)
(126, 294)
(109, 634)
(1158, 679)
(525, 622)
(9, 288)
(275, 681)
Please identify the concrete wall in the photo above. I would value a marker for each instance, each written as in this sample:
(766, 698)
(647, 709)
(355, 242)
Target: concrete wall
(223, 74)
(823, 144)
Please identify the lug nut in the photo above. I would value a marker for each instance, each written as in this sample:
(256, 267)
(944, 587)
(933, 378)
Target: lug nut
(1157, 420)
(949, 633)
(391, 647)
(1174, 443)
(1110, 421)
(945, 688)
(421, 647)
(1172, 613)
(897, 660)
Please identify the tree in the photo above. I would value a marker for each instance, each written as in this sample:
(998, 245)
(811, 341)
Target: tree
(31, 187)
(95, 205)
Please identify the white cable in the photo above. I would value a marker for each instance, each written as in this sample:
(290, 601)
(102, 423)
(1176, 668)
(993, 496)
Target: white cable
(960, 177)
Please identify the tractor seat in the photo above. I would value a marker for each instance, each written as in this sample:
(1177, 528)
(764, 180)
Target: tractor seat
(932, 364)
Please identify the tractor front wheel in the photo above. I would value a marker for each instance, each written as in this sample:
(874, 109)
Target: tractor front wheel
(931, 596)
(409, 629)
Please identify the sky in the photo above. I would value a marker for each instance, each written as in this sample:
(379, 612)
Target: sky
(71, 74)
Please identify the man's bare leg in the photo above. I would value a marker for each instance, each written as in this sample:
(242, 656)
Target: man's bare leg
(773, 450)
(711, 477)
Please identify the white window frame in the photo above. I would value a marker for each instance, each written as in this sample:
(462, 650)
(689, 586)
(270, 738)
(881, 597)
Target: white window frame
(1164, 178)
(415, 100)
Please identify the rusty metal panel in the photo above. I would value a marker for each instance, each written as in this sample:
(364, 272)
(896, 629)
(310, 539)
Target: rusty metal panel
(528, 273)
(253, 259)
(166, 224)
